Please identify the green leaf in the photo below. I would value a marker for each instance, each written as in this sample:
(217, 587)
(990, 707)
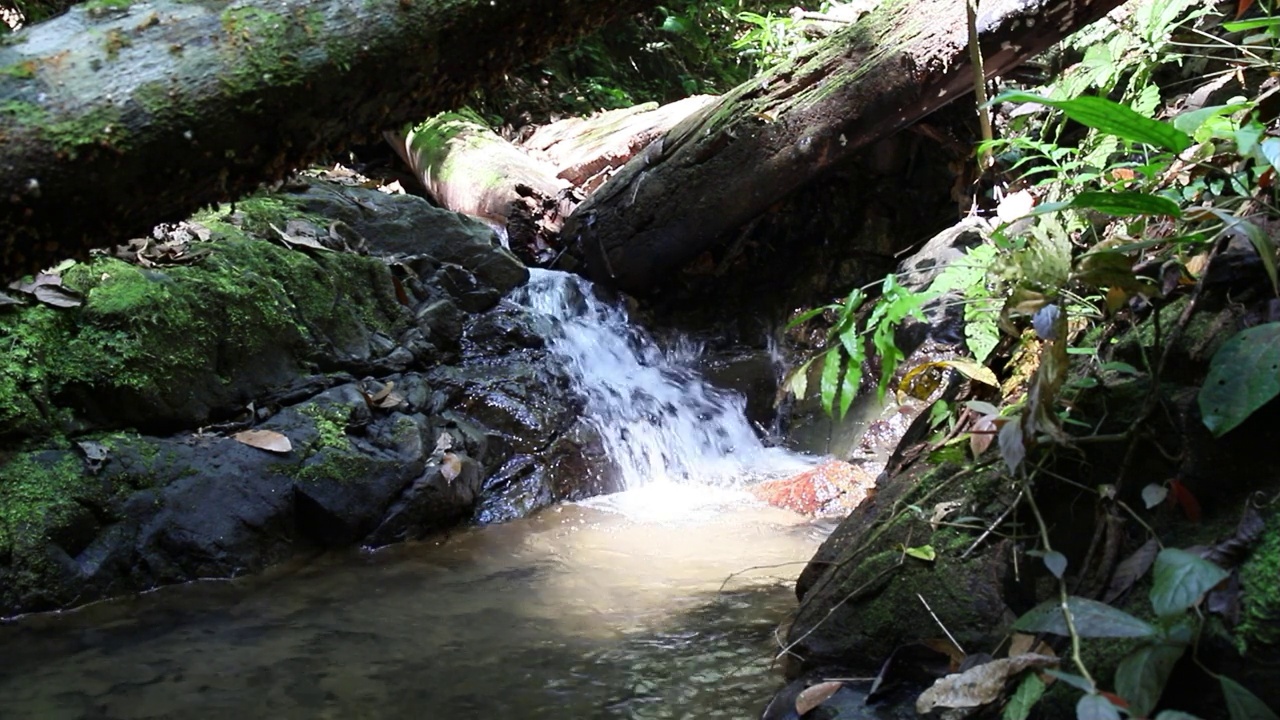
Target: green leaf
(1266, 250)
(806, 316)
(1175, 715)
(1189, 122)
(1143, 674)
(1126, 203)
(922, 552)
(1096, 707)
(1092, 619)
(1242, 704)
(677, 24)
(1243, 376)
(1111, 118)
(1024, 698)
(830, 379)
(1076, 681)
(1056, 562)
(1269, 22)
(1180, 580)
(798, 380)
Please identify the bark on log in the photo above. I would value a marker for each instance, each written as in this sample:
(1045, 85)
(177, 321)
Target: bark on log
(112, 120)
(724, 165)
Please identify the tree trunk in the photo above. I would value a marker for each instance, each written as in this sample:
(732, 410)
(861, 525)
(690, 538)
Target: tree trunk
(724, 165)
(114, 119)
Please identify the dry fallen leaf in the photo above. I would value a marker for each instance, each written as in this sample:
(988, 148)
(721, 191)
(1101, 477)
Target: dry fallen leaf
(942, 510)
(1023, 644)
(264, 440)
(450, 466)
(978, 686)
(814, 695)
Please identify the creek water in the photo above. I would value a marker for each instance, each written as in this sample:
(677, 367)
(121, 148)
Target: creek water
(658, 602)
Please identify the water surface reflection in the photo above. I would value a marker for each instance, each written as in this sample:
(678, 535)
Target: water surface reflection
(609, 610)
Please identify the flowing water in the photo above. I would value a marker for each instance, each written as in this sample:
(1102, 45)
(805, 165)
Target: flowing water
(658, 602)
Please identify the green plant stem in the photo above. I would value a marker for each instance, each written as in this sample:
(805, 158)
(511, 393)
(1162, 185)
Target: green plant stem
(1062, 588)
(979, 82)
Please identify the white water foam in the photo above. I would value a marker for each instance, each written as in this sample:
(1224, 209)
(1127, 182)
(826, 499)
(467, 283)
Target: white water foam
(660, 421)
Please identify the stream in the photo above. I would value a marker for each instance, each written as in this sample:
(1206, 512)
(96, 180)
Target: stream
(661, 601)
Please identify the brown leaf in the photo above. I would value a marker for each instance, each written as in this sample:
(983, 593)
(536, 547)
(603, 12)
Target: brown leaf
(978, 686)
(814, 695)
(450, 466)
(1234, 550)
(294, 241)
(982, 434)
(1023, 644)
(1131, 569)
(269, 440)
(58, 296)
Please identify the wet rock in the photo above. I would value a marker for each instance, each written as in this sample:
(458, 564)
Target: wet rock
(505, 329)
(944, 315)
(438, 498)
(408, 225)
(465, 288)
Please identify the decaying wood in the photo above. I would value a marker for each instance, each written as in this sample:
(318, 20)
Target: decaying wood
(529, 190)
(115, 119)
(732, 160)
(587, 151)
(468, 168)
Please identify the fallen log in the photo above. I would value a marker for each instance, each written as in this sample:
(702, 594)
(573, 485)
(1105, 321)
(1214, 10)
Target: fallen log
(114, 117)
(727, 163)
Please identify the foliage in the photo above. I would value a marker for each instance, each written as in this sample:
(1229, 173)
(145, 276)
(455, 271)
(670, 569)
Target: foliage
(846, 340)
(684, 48)
(1181, 580)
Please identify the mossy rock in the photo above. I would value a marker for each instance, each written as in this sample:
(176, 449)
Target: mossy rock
(169, 348)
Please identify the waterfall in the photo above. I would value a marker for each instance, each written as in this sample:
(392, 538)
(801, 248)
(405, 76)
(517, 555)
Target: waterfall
(659, 420)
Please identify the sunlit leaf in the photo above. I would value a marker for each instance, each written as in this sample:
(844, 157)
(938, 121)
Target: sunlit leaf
(1091, 618)
(830, 384)
(1242, 704)
(269, 440)
(922, 552)
(1243, 376)
(1143, 673)
(814, 695)
(1180, 580)
(1111, 118)
(797, 382)
(1126, 203)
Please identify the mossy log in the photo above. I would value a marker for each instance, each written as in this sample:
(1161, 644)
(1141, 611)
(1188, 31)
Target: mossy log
(729, 162)
(115, 116)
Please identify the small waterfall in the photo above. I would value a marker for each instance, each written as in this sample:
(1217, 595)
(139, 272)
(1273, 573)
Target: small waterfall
(660, 421)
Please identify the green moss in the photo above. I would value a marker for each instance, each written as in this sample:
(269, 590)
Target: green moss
(1260, 597)
(22, 71)
(102, 7)
(24, 113)
(331, 426)
(114, 42)
(145, 335)
(102, 126)
(267, 46)
(33, 494)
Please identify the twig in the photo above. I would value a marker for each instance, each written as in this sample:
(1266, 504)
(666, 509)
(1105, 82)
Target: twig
(993, 526)
(1062, 593)
(944, 627)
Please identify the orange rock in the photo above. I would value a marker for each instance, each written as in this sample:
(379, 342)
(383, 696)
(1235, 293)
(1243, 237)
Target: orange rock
(834, 487)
